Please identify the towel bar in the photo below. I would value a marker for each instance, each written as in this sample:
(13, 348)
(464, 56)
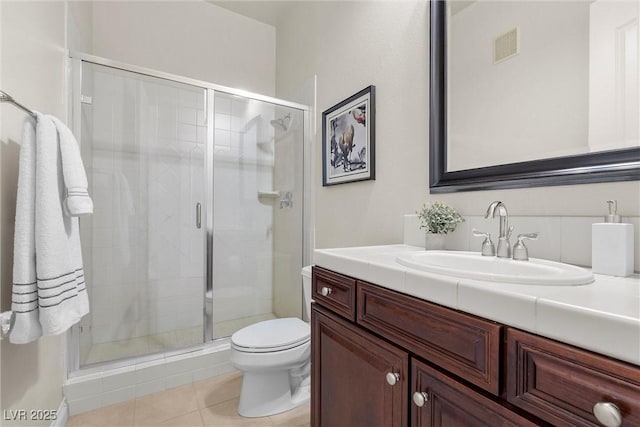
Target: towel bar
(5, 97)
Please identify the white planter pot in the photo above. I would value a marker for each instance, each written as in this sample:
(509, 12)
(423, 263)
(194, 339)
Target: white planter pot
(434, 242)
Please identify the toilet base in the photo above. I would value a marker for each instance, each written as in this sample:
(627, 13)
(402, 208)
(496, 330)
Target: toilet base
(269, 393)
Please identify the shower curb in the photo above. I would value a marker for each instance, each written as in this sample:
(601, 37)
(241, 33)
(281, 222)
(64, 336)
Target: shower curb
(97, 389)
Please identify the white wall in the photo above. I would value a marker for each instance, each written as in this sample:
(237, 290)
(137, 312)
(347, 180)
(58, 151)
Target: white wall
(32, 63)
(530, 106)
(80, 26)
(193, 38)
(350, 45)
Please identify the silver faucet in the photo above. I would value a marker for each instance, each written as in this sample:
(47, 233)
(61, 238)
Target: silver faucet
(520, 251)
(287, 200)
(488, 248)
(504, 247)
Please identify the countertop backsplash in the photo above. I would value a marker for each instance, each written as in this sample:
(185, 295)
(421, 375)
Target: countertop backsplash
(562, 238)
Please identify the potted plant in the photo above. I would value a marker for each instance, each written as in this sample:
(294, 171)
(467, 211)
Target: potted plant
(437, 220)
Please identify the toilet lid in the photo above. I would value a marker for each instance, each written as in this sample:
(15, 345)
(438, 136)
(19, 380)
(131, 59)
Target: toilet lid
(273, 335)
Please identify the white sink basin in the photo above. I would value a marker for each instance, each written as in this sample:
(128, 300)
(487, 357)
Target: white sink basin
(472, 265)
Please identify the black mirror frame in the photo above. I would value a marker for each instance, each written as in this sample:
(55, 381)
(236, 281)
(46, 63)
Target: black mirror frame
(607, 166)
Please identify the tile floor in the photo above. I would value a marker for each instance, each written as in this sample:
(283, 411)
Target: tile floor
(211, 402)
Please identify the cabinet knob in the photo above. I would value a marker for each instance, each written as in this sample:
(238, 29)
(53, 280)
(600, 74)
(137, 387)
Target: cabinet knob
(325, 291)
(608, 414)
(393, 378)
(420, 398)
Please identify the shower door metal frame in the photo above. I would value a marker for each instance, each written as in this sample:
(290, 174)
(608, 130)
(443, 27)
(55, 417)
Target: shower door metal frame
(207, 307)
(74, 80)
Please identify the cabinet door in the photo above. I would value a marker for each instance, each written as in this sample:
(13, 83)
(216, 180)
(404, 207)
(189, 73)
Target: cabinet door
(464, 345)
(349, 376)
(566, 386)
(446, 402)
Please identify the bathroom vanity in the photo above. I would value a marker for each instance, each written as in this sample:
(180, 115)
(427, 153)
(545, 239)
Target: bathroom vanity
(396, 347)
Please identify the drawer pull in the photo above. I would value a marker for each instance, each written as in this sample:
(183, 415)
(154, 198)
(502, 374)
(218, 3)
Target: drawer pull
(393, 378)
(608, 414)
(420, 398)
(325, 291)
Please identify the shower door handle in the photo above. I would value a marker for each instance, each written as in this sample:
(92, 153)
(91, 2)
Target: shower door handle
(198, 215)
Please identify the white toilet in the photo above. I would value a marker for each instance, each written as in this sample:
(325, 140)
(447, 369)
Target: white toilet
(274, 357)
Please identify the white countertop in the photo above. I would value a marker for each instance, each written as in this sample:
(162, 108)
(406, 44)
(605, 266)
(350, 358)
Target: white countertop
(603, 316)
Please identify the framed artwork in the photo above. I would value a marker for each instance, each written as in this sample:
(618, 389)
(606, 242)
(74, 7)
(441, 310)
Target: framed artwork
(348, 139)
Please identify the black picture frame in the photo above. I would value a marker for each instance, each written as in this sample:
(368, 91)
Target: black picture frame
(606, 166)
(348, 139)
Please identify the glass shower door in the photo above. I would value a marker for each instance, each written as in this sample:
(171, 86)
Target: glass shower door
(143, 145)
(257, 212)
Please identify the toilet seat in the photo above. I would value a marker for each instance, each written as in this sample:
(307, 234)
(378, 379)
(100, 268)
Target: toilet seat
(272, 335)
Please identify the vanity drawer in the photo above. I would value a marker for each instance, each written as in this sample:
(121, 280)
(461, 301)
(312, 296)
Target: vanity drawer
(334, 291)
(462, 344)
(561, 384)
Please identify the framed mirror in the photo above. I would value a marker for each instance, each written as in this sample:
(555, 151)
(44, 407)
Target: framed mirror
(526, 94)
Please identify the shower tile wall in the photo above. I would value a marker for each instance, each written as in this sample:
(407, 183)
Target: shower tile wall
(287, 286)
(243, 220)
(145, 255)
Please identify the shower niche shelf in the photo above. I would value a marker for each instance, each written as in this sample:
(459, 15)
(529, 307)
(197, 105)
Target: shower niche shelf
(269, 194)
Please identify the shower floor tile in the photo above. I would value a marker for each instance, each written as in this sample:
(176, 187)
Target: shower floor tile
(173, 340)
(212, 402)
(228, 327)
(139, 346)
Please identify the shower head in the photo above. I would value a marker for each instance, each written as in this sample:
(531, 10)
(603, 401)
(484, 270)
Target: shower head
(282, 123)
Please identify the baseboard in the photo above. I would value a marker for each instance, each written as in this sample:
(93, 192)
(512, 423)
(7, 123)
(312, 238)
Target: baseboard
(62, 415)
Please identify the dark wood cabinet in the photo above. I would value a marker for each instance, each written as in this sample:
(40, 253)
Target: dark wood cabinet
(349, 376)
(472, 371)
(462, 344)
(562, 384)
(334, 291)
(448, 403)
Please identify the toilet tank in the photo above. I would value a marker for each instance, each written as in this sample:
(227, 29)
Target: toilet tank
(306, 291)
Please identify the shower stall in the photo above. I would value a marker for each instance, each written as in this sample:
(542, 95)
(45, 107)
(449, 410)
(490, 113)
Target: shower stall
(198, 228)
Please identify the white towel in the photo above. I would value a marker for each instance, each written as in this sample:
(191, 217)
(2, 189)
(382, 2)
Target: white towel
(49, 293)
(24, 298)
(77, 201)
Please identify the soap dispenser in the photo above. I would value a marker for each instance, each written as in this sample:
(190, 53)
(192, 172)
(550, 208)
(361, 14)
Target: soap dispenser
(612, 244)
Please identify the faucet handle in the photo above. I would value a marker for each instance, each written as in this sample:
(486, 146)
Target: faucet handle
(520, 251)
(529, 236)
(479, 233)
(488, 248)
